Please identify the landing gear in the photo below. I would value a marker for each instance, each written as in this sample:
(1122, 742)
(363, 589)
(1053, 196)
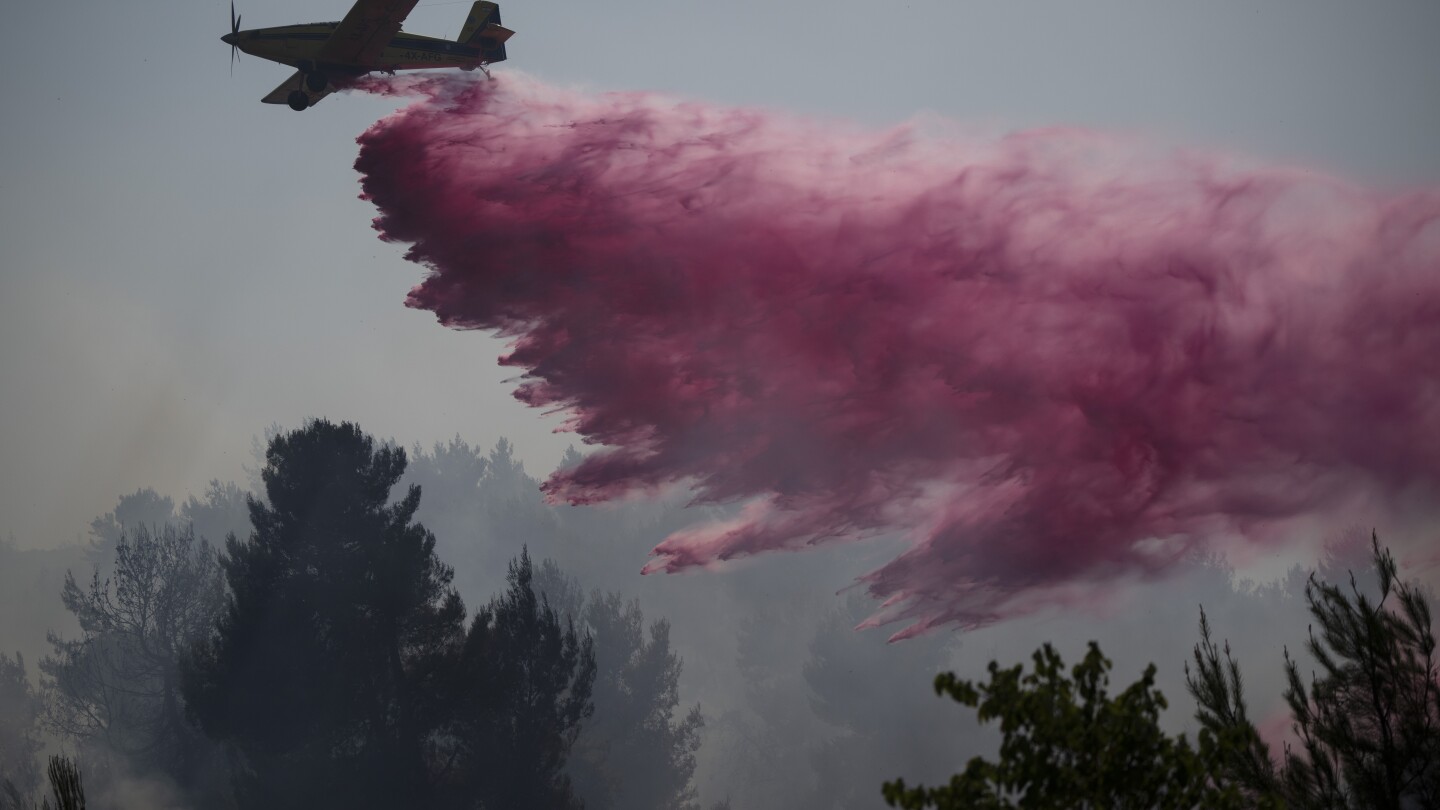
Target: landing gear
(316, 81)
(297, 100)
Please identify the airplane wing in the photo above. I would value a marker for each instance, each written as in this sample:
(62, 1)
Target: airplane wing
(281, 94)
(365, 31)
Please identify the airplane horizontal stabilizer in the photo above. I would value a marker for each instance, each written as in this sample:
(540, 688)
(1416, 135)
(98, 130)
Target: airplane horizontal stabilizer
(281, 94)
(493, 34)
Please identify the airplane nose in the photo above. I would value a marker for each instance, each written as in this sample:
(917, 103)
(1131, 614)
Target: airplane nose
(228, 39)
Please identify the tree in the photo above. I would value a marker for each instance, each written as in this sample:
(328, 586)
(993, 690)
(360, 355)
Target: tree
(858, 685)
(1219, 685)
(223, 511)
(1368, 723)
(770, 739)
(480, 507)
(526, 681)
(143, 507)
(634, 752)
(117, 687)
(1067, 743)
(19, 715)
(327, 667)
(451, 475)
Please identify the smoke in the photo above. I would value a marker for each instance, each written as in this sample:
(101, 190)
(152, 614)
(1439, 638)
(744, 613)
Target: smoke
(1050, 360)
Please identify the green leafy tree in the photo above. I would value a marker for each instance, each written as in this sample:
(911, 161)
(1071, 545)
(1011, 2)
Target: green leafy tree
(116, 689)
(1368, 722)
(1068, 743)
(328, 667)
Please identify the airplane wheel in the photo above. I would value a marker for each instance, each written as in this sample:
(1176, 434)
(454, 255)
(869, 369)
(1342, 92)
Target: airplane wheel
(297, 100)
(316, 81)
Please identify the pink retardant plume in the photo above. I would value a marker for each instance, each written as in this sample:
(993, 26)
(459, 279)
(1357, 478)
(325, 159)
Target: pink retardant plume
(1048, 361)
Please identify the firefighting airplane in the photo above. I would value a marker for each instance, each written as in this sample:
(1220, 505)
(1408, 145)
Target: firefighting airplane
(367, 40)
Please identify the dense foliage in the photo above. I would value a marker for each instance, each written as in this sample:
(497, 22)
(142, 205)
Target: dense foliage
(521, 690)
(1068, 743)
(342, 671)
(1366, 725)
(323, 669)
(266, 675)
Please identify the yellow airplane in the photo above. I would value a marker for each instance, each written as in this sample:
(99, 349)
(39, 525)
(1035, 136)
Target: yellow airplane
(367, 40)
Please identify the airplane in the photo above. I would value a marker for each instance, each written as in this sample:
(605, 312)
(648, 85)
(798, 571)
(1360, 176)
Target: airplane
(367, 40)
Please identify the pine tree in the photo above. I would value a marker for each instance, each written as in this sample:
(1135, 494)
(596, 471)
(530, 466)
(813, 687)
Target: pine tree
(638, 751)
(326, 670)
(1368, 723)
(526, 680)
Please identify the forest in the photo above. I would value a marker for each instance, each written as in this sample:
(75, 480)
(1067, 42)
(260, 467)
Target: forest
(362, 625)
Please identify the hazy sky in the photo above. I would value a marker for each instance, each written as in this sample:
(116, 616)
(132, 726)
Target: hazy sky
(181, 266)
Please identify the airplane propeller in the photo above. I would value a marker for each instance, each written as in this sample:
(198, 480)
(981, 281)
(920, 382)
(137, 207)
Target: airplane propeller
(234, 37)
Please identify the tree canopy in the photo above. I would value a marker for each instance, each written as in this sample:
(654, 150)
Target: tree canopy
(1068, 743)
(1366, 724)
(342, 670)
(323, 669)
(525, 680)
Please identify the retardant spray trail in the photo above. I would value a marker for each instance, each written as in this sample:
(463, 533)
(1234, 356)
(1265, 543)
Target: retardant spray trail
(1043, 359)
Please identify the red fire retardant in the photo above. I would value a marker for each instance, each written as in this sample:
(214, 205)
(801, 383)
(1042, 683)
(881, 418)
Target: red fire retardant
(1049, 360)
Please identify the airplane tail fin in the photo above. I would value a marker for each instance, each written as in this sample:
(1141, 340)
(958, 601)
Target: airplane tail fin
(484, 31)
